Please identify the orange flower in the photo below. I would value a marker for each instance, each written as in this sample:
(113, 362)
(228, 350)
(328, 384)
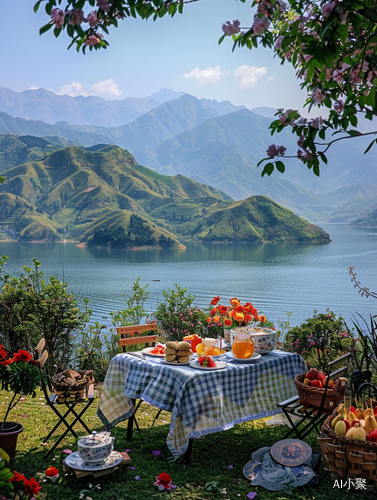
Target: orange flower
(248, 318)
(239, 308)
(215, 300)
(231, 313)
(262, 318)
(209, 320)
(213, 312)
(227, 322)
(235, 302)
(239, 317)
(216, 319)
(223, 309)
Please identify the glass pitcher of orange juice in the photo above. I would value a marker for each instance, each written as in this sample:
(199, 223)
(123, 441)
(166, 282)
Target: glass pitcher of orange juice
(243, 346)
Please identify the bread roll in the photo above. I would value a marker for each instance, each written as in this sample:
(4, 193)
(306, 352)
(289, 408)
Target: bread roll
(170, 357)
(186, 352)
(173, 344)
(184, 345)
(169, 350)
(183, 359)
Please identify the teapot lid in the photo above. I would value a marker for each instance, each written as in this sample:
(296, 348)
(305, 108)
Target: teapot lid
(95, 439)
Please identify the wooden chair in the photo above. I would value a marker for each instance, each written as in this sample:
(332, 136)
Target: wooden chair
(124, 333)
(306, 419)
(52, 400)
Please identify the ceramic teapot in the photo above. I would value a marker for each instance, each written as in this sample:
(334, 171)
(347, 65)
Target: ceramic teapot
(96, 447)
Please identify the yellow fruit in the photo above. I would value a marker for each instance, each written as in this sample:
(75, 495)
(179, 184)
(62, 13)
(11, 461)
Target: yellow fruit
(215, 351)
(200, 348)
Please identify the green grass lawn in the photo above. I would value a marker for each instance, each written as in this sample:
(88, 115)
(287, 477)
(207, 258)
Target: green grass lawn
(212, 456)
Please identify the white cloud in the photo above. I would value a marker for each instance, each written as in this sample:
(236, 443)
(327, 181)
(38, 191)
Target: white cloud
(106, 88)
(208, 76)
(270, 80)
(249, 75)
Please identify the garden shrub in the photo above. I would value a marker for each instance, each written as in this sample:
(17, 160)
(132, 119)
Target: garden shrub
(32, 308)
(320, 339)
(178, 316)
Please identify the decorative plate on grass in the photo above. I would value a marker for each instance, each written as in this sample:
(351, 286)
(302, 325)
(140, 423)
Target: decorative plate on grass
(75, 462)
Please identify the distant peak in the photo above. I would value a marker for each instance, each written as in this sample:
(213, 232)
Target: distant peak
(164, 95)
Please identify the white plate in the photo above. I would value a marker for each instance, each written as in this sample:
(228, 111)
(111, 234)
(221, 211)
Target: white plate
(254, 358)
(217, 356)
(219, 366)
(147, 351)
(75, 462)
(174, 363)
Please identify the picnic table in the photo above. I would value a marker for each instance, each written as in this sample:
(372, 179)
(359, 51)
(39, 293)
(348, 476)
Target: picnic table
(201, 402)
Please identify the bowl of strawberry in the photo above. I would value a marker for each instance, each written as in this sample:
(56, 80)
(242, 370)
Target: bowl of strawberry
(206, 361)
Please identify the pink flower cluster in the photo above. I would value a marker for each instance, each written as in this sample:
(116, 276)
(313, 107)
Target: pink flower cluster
(93, 39)
(57, 15)
(92, 19)
(77, 16)
(274, 150)
(260, 25)
(103, 5)
(231, 28)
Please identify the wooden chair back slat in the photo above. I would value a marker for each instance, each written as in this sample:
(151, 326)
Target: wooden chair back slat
(337, 362)
(137, 340)
(43, 359)
(339, 373)
(122, 330)
(40, 346)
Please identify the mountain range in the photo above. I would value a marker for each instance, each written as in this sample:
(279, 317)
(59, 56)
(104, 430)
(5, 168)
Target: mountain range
(214, 143)
(100, 195)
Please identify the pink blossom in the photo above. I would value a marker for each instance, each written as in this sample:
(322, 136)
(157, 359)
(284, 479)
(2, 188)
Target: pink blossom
(231, 28)
(260, 25)
(92, 19)
(103, 5)
(92, 40)
(57, 15)
(274, 150)
(328, 8)
(279, 42)
(339, 106)
(318, 96)
(307, 57)
(77, 16)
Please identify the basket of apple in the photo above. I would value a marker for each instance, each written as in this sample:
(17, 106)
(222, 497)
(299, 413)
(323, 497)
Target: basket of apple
(311, 386)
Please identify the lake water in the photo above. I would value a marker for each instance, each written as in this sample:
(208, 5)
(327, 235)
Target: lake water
(277, 279)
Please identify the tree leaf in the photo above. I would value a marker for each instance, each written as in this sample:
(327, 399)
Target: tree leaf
(280, 166)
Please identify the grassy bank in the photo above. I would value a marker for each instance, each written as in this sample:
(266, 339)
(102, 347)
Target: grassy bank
(218, 459)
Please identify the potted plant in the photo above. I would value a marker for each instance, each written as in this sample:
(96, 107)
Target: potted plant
(20, 375)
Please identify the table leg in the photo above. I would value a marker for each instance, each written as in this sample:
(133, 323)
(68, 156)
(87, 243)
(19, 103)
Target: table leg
(188, 453)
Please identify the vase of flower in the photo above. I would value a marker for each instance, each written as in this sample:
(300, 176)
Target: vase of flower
(8, 437)
(19, 374)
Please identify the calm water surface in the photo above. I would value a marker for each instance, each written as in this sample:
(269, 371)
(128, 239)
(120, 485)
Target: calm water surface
(277, 279)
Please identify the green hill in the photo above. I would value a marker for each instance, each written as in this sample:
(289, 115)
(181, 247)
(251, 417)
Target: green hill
(101, 196)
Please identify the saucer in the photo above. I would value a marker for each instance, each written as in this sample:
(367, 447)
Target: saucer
(254, 358)
(75, 462)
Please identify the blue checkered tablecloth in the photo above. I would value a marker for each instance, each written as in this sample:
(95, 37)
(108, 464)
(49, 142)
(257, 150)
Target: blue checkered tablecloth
(200, 402)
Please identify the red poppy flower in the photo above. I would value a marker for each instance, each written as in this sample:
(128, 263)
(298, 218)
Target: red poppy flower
(17, 477)
(32, 487)
(7, 362)
(3, 353)
(52, 471)
(228, 322)
(22, 355)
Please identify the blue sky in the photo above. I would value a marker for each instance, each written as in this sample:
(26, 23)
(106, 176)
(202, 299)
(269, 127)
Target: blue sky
(180, 53)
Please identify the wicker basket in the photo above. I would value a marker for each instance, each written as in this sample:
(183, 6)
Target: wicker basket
(72, 384)
(312, 396)
(348, 459)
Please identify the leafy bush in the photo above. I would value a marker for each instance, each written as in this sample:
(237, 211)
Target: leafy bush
(178, 316)
(95, 349)
(32, 308)
(135, 310)
(320, 339)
